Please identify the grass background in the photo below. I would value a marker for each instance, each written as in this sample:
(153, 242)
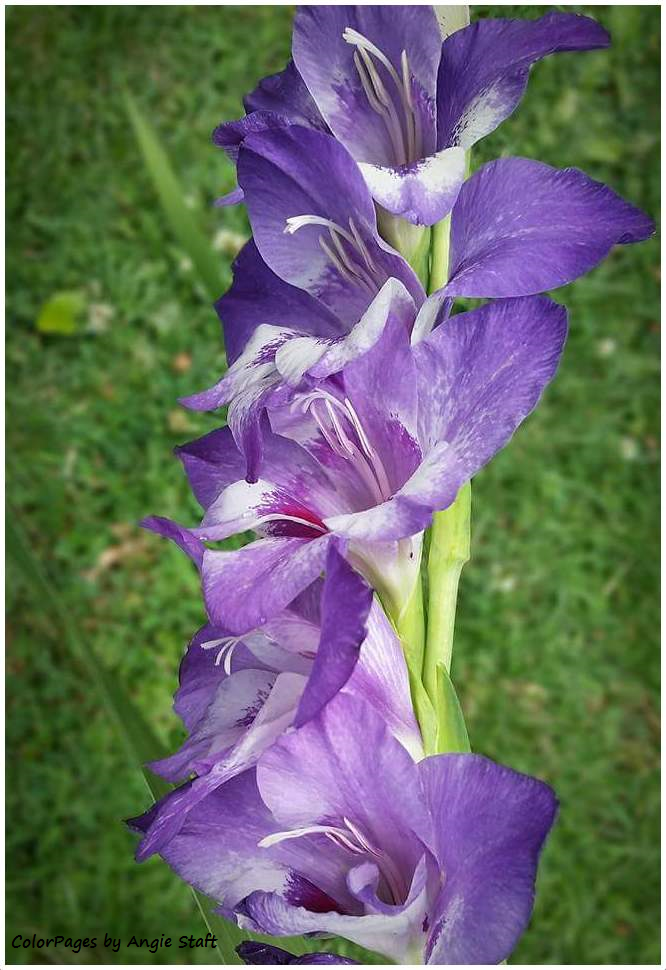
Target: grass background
(556, 652)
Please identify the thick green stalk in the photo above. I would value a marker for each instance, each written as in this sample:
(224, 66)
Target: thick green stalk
(410, 626)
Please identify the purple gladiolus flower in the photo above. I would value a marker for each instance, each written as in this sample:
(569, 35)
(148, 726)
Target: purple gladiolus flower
(406, 105)
(369, 455)
(237, 694)
(317, 285)
(434, 861)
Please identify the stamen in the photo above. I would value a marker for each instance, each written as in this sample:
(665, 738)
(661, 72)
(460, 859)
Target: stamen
(406, 140)
(280, 517)
(341, 259)
(227, 649)
(363, 249)
(354, 841)
(392, 124)
(366, 460)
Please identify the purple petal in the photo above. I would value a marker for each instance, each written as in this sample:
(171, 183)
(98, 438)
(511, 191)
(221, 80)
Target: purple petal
(480, 375)
(380, 678)
(396, 931)
(345, 605)
(478, 378)
(183, 537)
(211, 464)
(422, 192)
(231, 198)
(250, 710)
(292, 499)
(491, 825)
(198, 677)
(346, 764)
(392, 302)
(264, 954)
(302, 173)
(382, 388)
(326, 62)
(257, 296)
(285, 94)
(521, 227)
(245, 588)
(235, 702)
(484, 69)
(216, 849)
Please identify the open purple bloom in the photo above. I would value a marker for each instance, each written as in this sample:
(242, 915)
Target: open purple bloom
(237, 694)
(317, 286)
(368, 455)
(434, 861)
(406, 105)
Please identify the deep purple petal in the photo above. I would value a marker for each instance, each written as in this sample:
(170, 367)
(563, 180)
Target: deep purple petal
(521, 227)
(257, 296)
(345, 605)
(231, 198)
(230, 135)
(422, 192)
(326, 62)
(245, 588)
(285, 94)
(491, 825)
(265, 954)
(484, 69)
(198, 677)
(211, 463)
(299, 172)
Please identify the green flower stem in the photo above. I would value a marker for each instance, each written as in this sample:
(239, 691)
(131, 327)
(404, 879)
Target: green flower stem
(410, 627)
(449, 551)
(439, 254)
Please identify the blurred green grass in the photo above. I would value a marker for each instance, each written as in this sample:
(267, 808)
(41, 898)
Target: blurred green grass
(556, 656)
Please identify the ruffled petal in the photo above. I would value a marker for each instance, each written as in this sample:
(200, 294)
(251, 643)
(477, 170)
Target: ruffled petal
(491, 824)
(484, 69)
(521, 227)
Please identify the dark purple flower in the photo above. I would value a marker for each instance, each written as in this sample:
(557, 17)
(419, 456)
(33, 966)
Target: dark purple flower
(237, 694)
(405, 105)
(368, 455)
(264, 953)
(343, 833)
